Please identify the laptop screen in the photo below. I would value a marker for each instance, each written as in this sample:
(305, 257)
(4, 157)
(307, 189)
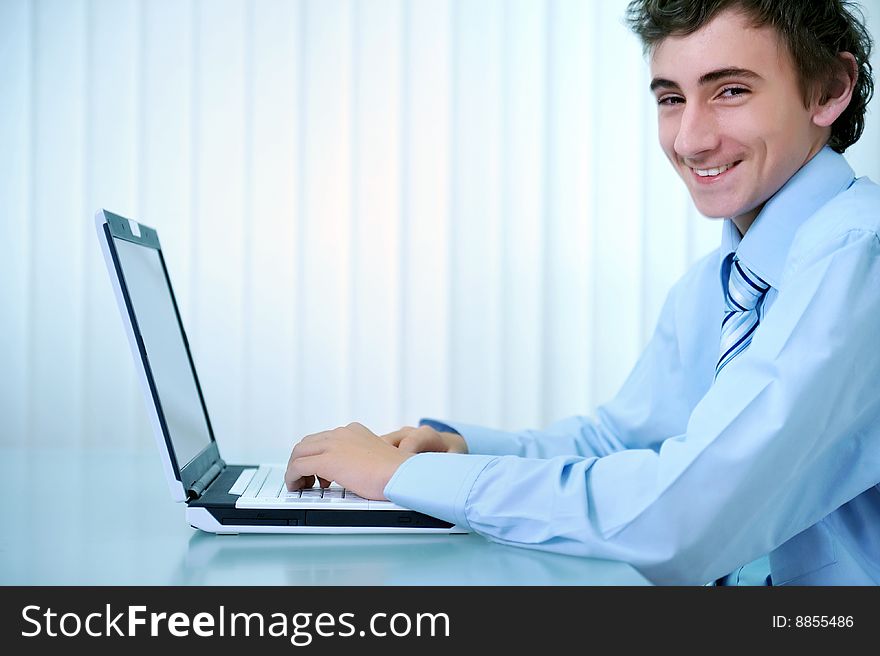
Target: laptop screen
(151, 299)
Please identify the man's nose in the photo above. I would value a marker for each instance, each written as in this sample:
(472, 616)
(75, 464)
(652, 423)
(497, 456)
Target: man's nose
(697, 133)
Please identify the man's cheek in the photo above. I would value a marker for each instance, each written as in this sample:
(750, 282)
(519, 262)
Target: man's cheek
(667, 143)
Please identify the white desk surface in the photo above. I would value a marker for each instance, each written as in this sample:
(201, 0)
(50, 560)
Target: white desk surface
(103, 517)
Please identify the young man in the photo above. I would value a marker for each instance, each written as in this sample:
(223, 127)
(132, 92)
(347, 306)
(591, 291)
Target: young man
(745, 444)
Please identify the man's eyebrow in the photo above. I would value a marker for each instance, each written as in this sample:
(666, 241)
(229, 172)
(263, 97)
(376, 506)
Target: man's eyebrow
(706, 78)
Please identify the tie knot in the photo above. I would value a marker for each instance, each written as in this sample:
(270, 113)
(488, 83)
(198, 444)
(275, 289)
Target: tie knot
(745, 288)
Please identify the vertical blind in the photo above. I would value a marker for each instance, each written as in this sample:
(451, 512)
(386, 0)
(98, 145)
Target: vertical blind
(372, 210)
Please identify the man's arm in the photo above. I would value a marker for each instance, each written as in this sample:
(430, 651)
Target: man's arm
(786, 435)
(650, 404)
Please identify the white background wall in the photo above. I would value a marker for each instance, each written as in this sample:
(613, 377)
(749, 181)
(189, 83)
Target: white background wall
(371, 209)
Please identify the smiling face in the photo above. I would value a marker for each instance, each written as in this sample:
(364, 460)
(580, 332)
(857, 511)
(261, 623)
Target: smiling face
(731, 116)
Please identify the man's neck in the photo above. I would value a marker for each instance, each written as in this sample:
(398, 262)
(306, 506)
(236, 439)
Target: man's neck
(744, 221)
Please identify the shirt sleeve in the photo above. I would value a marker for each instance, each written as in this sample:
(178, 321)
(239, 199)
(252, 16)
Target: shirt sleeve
(650, 406)
(785, 436)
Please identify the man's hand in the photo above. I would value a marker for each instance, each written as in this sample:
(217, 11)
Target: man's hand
(425, 438)
(353, 456)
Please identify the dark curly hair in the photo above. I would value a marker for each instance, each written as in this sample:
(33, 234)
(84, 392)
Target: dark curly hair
(815, 32)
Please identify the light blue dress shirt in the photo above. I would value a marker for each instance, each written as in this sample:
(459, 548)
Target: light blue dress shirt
(690, 480)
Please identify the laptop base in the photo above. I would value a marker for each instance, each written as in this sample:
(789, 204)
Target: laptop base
(231, 522)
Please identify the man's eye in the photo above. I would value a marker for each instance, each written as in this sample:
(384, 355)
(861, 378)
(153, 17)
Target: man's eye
(734, 92)
(670, 100)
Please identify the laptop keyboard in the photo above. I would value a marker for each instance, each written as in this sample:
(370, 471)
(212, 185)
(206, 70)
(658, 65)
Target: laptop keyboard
(266, 485)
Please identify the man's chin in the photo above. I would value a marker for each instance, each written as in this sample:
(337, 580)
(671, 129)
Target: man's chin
(713, 212)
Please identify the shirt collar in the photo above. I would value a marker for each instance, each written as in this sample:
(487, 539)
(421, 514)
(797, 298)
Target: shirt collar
(764, 249)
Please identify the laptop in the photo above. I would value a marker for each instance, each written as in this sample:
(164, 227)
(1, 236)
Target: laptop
(219, 497)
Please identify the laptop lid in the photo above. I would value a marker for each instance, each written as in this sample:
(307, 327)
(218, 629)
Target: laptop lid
(161, 353)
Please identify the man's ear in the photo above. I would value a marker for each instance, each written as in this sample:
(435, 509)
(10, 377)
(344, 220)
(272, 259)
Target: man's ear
(837, 95)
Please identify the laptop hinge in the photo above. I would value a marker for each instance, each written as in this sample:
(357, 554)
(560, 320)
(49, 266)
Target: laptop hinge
(199, 486)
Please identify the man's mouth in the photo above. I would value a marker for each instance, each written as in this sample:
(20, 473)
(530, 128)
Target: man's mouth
(713, 172)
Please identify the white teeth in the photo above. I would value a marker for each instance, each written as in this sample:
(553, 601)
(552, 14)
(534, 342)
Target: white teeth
(704, 173)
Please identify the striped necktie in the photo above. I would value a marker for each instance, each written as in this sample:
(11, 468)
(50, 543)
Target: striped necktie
(743, 295)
